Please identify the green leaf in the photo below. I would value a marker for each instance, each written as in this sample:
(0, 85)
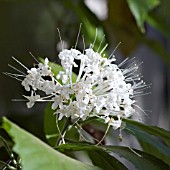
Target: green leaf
(105, 161)
(90, 32)
(159, 23)
(35, 154)
(148, 138)
(143, 162)
(164, 9)
(98, 156)
(51, 132)
(140, 10)
(152, 130)
(72, 135)
(76, 147)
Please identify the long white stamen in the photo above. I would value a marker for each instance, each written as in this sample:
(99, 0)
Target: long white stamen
(84, 45)
(108, 126)
(19, 100)
(103, 49)
(16, 69)
(111, 55)
(142, 94)
(100, 43)
(78, 35)
(12, 76)
(62, 45)
(20, 63)
(92, 46)
(15, 75)
(61, 135)
(140, 109)
(34, 57)
(80, 71)
(127, 60)
(123, 62)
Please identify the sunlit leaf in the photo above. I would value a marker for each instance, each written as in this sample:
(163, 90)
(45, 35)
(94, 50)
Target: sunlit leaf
(35, 154)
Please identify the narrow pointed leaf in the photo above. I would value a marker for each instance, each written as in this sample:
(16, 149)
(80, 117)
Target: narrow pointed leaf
(143, 162)
(105, 161)
(148, 138)
(140, 10)
(152, 130)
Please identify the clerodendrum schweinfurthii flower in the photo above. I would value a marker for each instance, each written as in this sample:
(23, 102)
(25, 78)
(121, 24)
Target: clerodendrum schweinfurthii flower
(101, 90)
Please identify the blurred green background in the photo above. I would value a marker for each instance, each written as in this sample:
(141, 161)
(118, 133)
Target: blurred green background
(141, 26)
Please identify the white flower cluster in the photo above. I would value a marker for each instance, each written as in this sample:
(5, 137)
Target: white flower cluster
(101, 89)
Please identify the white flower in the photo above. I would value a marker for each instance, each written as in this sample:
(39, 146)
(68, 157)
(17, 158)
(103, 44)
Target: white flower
(102, 89)
(57, 101)
(32, 99)
(63, 76)
(114, 123)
